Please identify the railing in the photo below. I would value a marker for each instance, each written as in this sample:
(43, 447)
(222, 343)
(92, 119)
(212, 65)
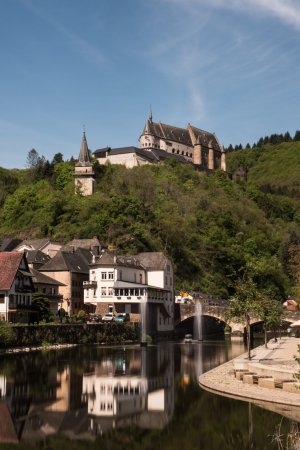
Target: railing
(90, 284)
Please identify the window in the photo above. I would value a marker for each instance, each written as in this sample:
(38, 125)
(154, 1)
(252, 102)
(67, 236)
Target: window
(141, 278)
(110, 275)
(110, 291)
(103, 291)
(2, 298)
(103, 275)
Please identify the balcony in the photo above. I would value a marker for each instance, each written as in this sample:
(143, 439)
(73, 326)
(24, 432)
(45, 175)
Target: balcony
(89, 284)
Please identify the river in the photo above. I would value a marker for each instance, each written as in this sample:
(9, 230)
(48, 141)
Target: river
(137, 398)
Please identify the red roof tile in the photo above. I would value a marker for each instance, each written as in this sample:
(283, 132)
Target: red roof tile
(9, 264)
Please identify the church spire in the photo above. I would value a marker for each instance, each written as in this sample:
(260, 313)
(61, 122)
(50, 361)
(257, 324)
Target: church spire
(84, 156)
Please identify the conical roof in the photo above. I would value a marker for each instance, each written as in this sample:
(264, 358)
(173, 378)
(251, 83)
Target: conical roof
(84, 156)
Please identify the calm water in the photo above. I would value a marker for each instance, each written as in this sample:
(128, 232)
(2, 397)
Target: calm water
(130, 398)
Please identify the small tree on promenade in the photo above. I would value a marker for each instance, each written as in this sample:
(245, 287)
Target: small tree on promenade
(270, 312)
(243, 304)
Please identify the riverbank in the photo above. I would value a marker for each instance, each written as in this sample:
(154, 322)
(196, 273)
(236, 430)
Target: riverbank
(267, 377)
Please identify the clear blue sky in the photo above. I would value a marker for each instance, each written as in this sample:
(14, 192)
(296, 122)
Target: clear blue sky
(228, 66)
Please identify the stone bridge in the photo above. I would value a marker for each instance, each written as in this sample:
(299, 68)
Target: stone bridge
(218, 311)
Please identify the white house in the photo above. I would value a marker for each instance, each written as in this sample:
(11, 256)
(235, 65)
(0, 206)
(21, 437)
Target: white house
(16, 287)
(141, 285)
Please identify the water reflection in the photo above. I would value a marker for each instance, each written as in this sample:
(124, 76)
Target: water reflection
(86, 392)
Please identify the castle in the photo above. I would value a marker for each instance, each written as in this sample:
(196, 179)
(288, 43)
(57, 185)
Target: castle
(158, 141)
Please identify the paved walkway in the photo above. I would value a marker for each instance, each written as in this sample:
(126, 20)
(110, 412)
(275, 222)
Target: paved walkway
(276, 361)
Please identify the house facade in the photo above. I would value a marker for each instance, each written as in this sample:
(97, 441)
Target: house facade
(49, 287)
(16, 287)
(141, 285)
(70, 269)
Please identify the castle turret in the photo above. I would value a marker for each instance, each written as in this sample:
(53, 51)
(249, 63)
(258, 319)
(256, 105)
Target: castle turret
(197, 155)
(84, 174)
(211, 161)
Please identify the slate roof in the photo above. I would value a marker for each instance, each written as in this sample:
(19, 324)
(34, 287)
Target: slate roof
(7, 244)
(146, 260)
(101, 152)
(9, 265)
(84, 156)
(84, 243)
(67, 262)
(111, 259)
(41, 278)
(181, 135)
(152, 260)
(36, 244)
(37, 257)
(161, 155)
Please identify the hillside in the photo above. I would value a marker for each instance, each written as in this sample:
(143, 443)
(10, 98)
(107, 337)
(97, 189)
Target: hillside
(214, 229)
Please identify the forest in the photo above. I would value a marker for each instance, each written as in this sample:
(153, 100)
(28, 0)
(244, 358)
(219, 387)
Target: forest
(216, 227)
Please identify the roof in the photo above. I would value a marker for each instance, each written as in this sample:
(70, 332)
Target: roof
(187, 136)
(7, 244)
(41, 278)
(67, 262)
(146, 260)
(35, 244)
(111, 259)
(101, 152)
(84, 156)
(153, 260)
(84, 243)
(160, 155)
(36, 256)
(9, 265)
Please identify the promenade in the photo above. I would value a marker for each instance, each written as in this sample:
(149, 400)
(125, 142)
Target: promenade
(267, 379)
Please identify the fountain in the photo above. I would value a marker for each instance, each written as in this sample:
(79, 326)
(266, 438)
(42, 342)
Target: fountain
(198, 334)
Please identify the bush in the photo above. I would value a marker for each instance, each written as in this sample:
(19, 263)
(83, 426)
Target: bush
(7, 335)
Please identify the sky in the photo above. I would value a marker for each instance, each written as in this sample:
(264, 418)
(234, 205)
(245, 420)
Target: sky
(231, 67)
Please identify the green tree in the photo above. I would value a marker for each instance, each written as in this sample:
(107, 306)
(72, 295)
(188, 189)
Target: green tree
(40, 304)
(243, 304)
(270, 312)
(57, 158)
(32, 159)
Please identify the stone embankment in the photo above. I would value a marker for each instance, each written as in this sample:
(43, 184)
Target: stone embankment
(268, 377)
(36, 348)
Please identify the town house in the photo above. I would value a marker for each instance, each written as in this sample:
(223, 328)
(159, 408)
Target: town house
(16, 287)
(141, 285)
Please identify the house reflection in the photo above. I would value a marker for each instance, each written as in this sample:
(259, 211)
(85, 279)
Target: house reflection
(136, 388)
(124, 387)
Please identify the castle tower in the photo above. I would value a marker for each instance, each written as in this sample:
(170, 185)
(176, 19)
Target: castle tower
(148, 138)
(211, 162)
(84, 174)
(197, 155)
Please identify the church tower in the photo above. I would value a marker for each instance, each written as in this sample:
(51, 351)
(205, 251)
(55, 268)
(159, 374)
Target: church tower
(84, 174)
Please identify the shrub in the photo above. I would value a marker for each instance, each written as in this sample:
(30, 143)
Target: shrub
(7, 335)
